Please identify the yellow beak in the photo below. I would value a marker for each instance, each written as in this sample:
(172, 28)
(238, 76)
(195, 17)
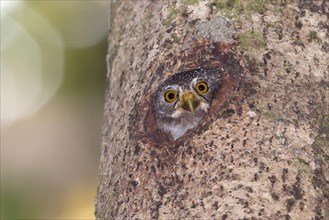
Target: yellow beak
(190, 102)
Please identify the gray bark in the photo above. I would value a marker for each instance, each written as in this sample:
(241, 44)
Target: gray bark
(263, 150)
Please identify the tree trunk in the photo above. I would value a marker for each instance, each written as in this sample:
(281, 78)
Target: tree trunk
(262, 152)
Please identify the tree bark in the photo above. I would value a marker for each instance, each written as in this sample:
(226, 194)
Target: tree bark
(263, 150)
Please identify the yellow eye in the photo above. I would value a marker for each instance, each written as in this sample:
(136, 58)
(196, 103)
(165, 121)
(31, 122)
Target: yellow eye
(201, 87)
(170, 96)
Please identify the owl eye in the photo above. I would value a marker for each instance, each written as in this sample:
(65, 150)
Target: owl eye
(170, 96)
(201, 87)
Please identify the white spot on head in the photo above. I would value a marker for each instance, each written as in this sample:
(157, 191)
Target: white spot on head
(251, 114)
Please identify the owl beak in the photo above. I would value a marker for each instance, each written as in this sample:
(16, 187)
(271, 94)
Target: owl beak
(190, 102)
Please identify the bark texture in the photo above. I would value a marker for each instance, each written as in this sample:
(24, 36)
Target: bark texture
(262, 153)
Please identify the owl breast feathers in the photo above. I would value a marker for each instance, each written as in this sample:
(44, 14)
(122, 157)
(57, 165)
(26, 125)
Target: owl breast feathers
(181, 102)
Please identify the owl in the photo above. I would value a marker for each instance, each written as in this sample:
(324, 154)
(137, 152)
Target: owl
(182, 101)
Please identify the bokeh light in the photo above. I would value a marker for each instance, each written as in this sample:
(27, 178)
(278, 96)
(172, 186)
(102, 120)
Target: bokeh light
(52, 96)
(31, 71)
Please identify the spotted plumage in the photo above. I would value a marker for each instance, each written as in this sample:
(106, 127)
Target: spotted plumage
(182, 101)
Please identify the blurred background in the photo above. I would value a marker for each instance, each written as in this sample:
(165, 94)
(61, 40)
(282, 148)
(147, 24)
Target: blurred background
(52, 95)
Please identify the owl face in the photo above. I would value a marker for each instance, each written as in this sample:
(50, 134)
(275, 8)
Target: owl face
(181, 102)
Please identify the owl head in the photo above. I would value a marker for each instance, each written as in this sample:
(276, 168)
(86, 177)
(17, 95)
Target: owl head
(182, 101)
